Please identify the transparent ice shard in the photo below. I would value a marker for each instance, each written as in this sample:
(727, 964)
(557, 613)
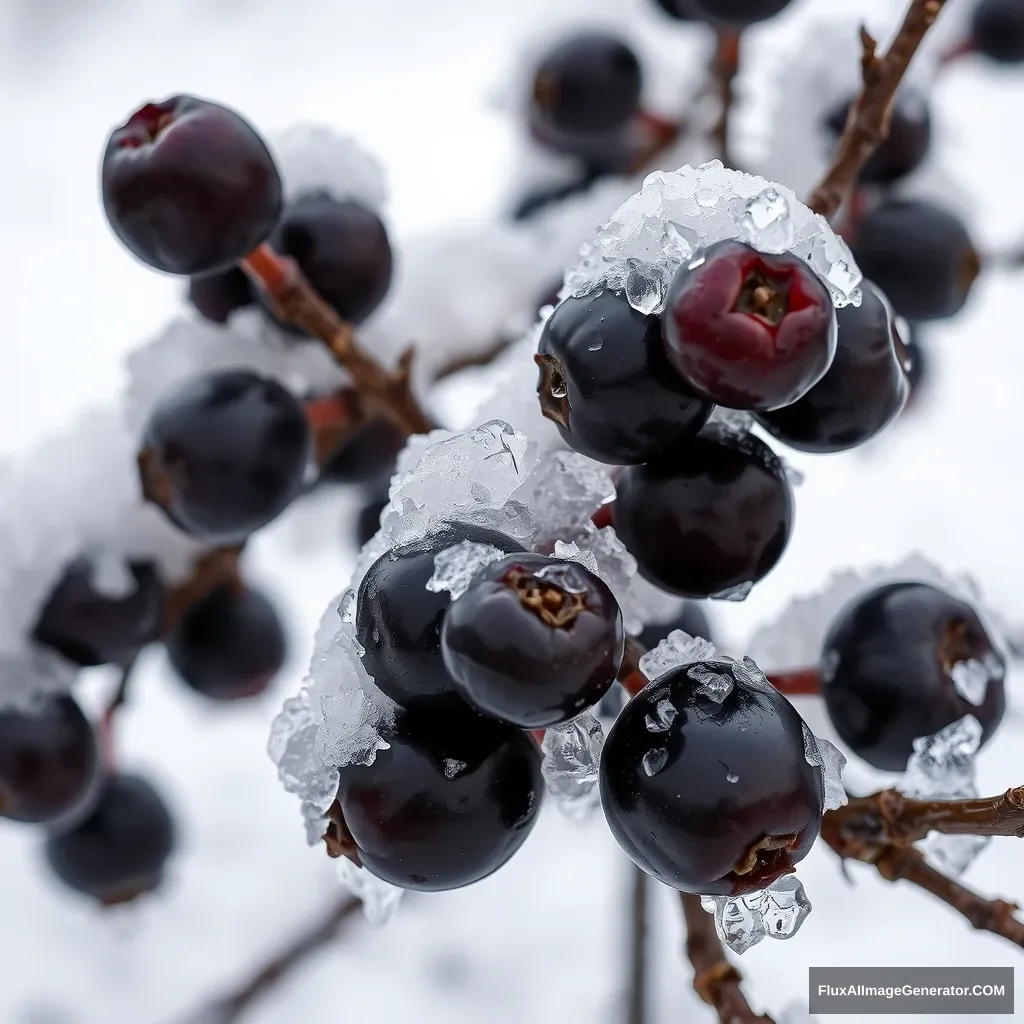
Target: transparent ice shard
(776, 912)
(564, 490)
(380, 899)
(661, 719)
(972, 677)
(452, 767)
(738, 593)
(572, 756)
(677, 649)
(654, 760)
(572, 552)
(455, 567)
(714, 679)
(767, 224)
(734, 422)
(831, 760)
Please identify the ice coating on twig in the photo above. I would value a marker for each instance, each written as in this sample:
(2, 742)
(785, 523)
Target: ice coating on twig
(831, 760)
(678, 214)
(942, 768)
(380, 899)
(776, 912)
(455, 567)
(572, 756)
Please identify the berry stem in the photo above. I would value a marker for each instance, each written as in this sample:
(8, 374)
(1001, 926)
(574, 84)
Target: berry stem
(334, 419)
(658, 134)
(797, 682)
(215, 568)
(636, 1004)
(296, 302)
(105, 726)
(715, 979)
(724, 68)
(867, 125)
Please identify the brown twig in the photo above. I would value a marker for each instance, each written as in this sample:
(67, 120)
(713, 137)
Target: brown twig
(798, 682)
(867, 124)
(636, 999)
(230, 1008)
(105, 726)
(715, 979)
(296, 301)
(724, 68)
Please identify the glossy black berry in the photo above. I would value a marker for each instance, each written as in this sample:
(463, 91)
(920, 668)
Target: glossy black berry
(534, 641)
(863, 391)
(366, 456)
(711, 798)
(918, 372)
(920, 255)
(229, 644)
(910, 135)
(398, 620)
(746, 329)
(734, 13)
(189, 186)
(119, 851)
(216, 296)
(225, 454)
(606, 383)
(997, 30)
(678, 9)
(714, 515)
(889, 666)
(343, 249)
(91, 628)
(692, 619)
(49, 759)
(447, 804)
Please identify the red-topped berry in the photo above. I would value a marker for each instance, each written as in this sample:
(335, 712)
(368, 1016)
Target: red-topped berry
(748, 330)
(189, 186)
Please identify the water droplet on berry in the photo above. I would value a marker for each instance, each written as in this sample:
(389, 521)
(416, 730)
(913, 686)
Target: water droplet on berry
(731, 777)
(654, 760)
(559, 389)
(767, 224)
(595, 344)
(347, 606)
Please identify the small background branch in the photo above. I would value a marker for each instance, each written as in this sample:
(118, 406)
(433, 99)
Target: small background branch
(724, 68)
(636, 993)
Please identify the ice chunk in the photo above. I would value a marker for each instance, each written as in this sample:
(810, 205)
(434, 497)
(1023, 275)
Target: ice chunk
(776, 912)
(380, 899)
(455, 567)
(572, 755)
(571, 552)
(292, 748)
(714, 679)
(654, 760)
(831, 760)
(452, 767)
(565, 489)
(738, 593)
(677, 649)
(971, 677)
(734, 422)
(661, 719)
(647, 286)
(767, 224)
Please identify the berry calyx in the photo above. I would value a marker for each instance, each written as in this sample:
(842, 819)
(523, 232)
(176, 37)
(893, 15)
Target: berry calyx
(534, 641)
(189, 186)
(229, 645)
(920, 255)
(49, 759)
(606, 383)
(89, 627)
(447, 804)
(216, 296)
(399, 621)
(225, 454)
(748, 330)
(733, 13)
(710, 797)
(863, 390)
(997, 30)
(712, 517)
(118, 852)
(894, 665)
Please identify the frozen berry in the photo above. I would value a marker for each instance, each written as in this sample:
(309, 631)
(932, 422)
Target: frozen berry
(711, 797)
(748, 330)
(49, 759)
(229, 644)
(448, 802)
(189, 186)
(997, 30)
(342, 248)
(733, 13)
(606, 383)
(365, 456)
(895, 666)
(692, 620)
(864, 389)
(216, 296)
(225, 454)
(119, 851)
(910, 134)
(534, 641)
(919, 255)
(399, 620)
(712, 517)
(90, 627)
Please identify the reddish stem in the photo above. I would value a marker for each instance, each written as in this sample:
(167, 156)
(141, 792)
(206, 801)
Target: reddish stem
(334, 419)
(798, 682)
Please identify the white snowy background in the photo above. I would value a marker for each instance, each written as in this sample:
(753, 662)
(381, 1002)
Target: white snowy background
(545, 939)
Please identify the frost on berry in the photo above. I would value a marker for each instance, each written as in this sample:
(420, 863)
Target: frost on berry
(678, 214)
(572, 757)
(678, 648)
(455, 567)
(776, 913)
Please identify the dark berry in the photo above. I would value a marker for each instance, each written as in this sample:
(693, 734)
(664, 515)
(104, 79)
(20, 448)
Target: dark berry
(189, 186)
(363, 458)
(748, 330)
(398, 620)
(711, 798)
(541, 198)
(368, 520)
(863, 391)
(225, 454)
(692, 619)
(216, 296)
(534, 641)
(606, 382)
(919, 255)
(119, 851)
(997, 30)
(678, 9)
(92, 628)
(887, 670)
(229, 644)
(588, 85)
(49, 759)
(906, 146)
(734, 13)
(448, 803)
(342, 247)
(713, 516)
(918, 372)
